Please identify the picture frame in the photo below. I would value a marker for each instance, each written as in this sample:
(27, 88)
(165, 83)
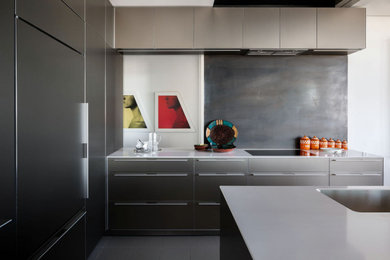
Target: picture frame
(171, 114)
(141, 114)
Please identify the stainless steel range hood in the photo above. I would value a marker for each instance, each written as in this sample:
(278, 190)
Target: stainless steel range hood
(291, 52)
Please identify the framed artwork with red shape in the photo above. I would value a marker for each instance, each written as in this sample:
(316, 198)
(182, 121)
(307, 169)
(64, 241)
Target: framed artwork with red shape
(171, 114)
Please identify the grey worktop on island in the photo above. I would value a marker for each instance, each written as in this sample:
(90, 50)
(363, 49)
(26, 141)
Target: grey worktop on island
(302, 223)
(237, 153)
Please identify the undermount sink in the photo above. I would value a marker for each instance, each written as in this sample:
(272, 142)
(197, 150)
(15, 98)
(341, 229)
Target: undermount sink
(361, 200)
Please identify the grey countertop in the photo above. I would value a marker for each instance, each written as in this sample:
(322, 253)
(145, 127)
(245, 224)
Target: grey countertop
(237, 153)
(302, 223)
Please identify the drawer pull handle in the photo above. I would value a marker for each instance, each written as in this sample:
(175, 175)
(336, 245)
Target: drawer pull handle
(151, 203)
(287, 174)
(219, 174)
(209, 204)
(356, 174)
(152, 174)
(150, 159)
(221, 160)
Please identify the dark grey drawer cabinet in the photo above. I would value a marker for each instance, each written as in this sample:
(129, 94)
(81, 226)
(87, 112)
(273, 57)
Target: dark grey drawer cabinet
(151, 194)
(151, 216)
(210, 174)
(207, 184)
(289, 172)
(289, 165)
(150, 186)
(207, 215)
(356, 172)
(151, 165)
(289, 179)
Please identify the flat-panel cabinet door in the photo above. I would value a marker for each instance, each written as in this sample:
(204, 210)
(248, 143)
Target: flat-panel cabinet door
(339, 179)
(207, 215)
(50, 83)
(207, 184)
(70, 246)
(77, 6)
(109, 24)
(261, 28)
(55, 18)
(7, 132)
(174, 28)
(341, 28)
(298, 28)
(134, 28)
(271, 179)
(95, 96)
(157, 216)
(150, 186)
(218, 27)
(95, 15)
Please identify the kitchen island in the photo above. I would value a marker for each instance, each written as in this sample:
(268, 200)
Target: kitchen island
(298, 223)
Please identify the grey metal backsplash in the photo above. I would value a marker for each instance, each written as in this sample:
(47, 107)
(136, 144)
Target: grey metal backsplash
(275, 100)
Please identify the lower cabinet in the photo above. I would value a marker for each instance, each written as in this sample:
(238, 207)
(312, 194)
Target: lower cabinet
(356, 179)
(150, 195)
(356, 172)
(207, 215)
(289, 179)
(151, 216)
(210, 174)
(183, 194)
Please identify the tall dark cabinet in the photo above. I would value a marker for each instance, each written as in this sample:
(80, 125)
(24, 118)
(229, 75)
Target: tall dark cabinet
(7, 133)
(50, 89)
(52, 62)
(104, 96)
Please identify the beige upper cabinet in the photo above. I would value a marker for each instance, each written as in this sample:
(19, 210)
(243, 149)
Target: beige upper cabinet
(174, 28)
(134, 27)
(218, 27)
(341, 28)
(298, 28)
(261, 28)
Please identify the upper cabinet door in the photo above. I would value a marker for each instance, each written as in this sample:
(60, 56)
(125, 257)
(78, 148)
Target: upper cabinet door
(298, 28)
(134, 27)
(77, 6)
(218, 27)
(95, 15)
(54, 18)
(261, 28)
(109, 24)
(342, 28)
(174, 28)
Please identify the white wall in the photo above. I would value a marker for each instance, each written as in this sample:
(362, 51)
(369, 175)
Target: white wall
(369, 93)
(146, 74)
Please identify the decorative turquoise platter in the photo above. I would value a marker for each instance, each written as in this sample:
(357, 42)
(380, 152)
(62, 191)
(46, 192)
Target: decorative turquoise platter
(221, 133)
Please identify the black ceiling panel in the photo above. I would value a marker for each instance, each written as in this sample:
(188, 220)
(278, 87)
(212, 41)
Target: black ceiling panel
(276, 3)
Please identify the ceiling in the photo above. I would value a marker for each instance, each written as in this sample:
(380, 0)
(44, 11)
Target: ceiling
(376, 7)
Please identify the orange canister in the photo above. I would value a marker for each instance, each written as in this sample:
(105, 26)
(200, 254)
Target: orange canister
(331, 143)
(314, 143)
(305, 143)
(345, 145)
(338, 144)
(323, 143)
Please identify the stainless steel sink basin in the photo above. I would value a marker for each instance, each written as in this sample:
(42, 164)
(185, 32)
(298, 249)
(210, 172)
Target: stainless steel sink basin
(361, 200)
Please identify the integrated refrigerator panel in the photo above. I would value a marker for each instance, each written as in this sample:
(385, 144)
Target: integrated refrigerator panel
(50, 183)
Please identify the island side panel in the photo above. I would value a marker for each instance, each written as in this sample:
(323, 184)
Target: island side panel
(232, 245)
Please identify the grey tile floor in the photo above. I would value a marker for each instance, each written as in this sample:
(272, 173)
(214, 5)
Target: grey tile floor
(157, 248)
